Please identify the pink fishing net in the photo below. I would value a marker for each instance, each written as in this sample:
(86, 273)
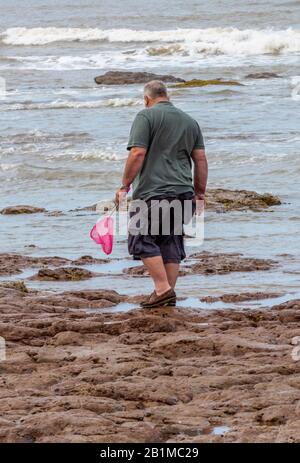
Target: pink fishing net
(103, 233)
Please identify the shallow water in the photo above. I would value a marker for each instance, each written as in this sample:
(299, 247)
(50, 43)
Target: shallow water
(63, 139)
(220, 430)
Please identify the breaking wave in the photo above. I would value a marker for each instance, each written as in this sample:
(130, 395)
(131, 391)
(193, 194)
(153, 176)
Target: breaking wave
(102, 155)
(62, 104)
(228, 41)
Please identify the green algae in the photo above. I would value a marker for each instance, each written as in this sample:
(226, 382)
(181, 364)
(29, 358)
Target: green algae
(203, 83)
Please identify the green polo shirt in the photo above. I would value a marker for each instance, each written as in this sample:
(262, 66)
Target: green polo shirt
(169, 136)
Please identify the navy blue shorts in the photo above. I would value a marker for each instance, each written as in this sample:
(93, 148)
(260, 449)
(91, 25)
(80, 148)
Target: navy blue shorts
(169, 246)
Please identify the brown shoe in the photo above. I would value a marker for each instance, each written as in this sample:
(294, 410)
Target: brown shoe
(166, 299)
(147, 299)
(145, 302)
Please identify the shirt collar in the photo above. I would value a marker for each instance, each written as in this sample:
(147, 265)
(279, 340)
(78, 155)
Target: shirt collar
(164, 102)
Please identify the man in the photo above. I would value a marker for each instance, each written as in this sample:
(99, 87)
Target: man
(163, 143)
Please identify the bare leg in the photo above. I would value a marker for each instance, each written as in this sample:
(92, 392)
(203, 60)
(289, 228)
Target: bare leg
(156, 268)
(172, 273)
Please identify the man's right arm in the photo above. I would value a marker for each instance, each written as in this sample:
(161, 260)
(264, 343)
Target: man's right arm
(200, 172)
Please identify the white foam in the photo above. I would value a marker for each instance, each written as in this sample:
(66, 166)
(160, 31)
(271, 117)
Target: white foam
(145, 56)
(105, 154)
(64, 104)
(65, 62)
(101, 60)
(7, 166)
(217, 40)
(99, 155)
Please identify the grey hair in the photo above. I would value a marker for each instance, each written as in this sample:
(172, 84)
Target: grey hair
(155, 89)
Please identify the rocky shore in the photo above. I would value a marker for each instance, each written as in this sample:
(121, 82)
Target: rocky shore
(217, 200)
(79, 370)
(129, 78)
(80, 367)
(141, 77)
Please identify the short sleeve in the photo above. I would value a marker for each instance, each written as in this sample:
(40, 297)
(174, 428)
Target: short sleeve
(140, 132)
(199, 142)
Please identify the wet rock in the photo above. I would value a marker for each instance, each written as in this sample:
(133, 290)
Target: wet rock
(11, 263)
(139, 271)
(71, 300)
(276, 415)
(136, 299)
(18, 285)
(91, 208)
(145, 376)
(223, 200)
(8, 267)
(88, 299)
(289, 312)
(151, 324)
(237, 345)
(88, 260)
(291, 316)
(289, 433)
(188, 426)
(63, 274)
(14, 210)
(213, 264)
(127, 77)
(263, 75)
(54, 214)
(294, 304)
(181, 345)
(68, 338)
(12, 332)
(54, 261)
(239, 297)
(14, 263)
(203, 83)
(96, 295)
(148, 390)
